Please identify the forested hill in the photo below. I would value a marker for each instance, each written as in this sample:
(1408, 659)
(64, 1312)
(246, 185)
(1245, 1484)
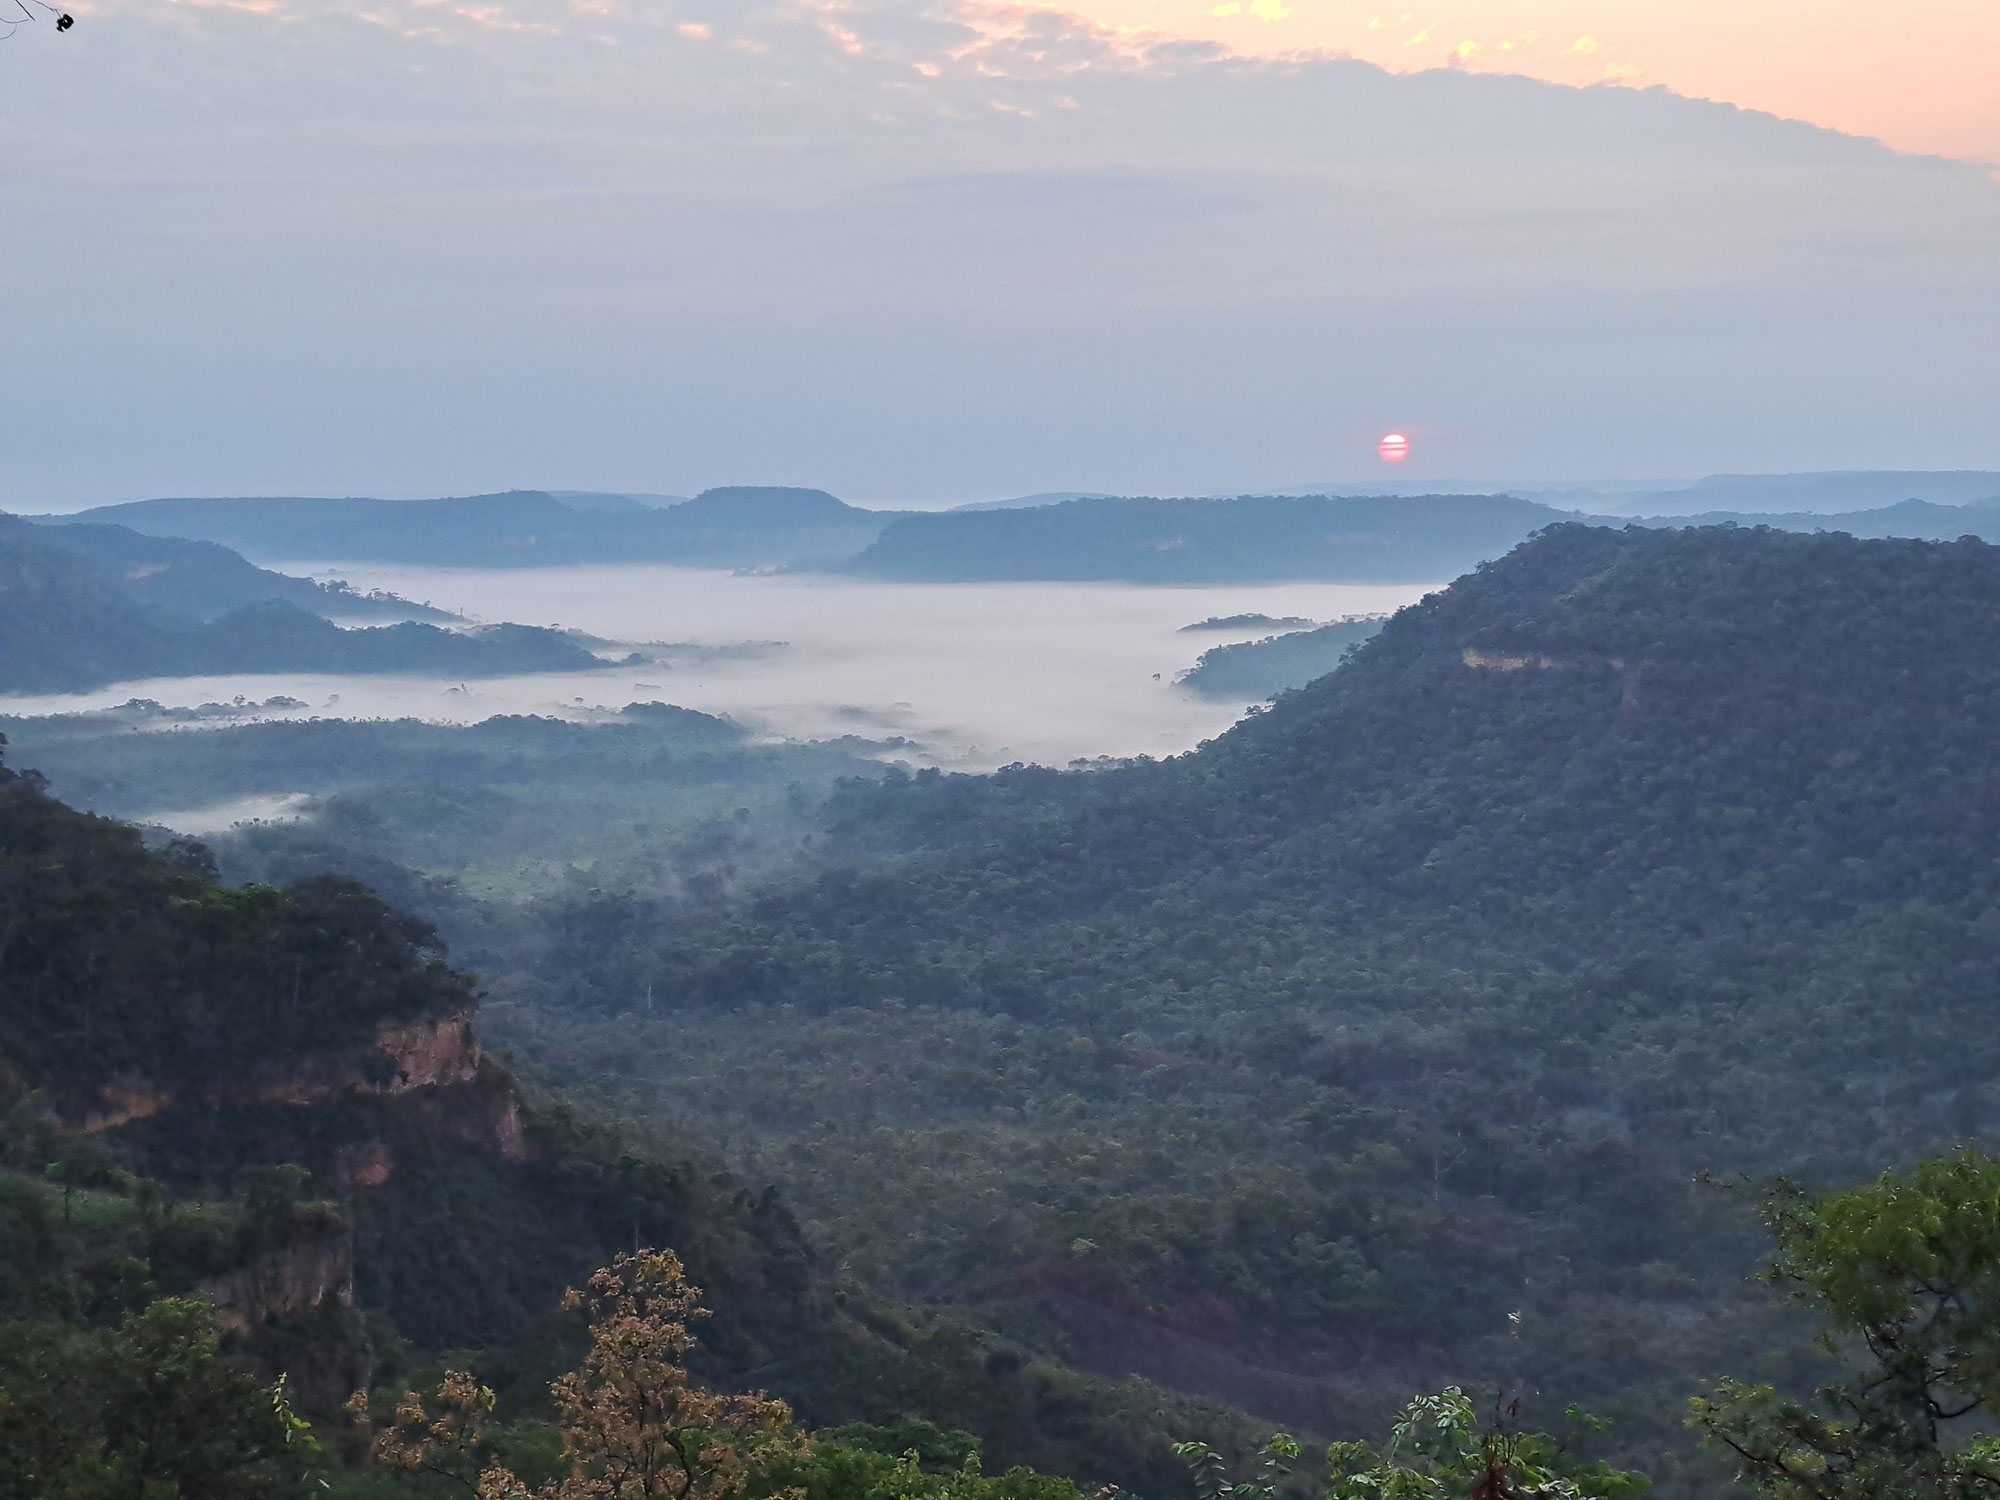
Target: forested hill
(1386, 1034)
(1670, 722)
(1347, 538)
(129, 972)
(734, 526)
(201, 579)
(274, 1101)
(1252, 538)
(83, 606)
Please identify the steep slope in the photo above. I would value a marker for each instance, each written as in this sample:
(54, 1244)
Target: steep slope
(277, 1100)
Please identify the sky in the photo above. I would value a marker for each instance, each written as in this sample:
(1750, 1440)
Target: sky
(1922, 76)
(933, 252)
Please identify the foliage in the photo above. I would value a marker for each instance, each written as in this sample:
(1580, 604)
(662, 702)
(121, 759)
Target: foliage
(151, 1408)
(120, 960)
(909, 1461)
(455, 1443)
(1908, 1269)
(634, 1425)
(1437, 1447)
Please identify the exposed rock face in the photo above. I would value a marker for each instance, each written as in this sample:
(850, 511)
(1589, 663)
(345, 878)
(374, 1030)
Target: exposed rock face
(123, 1100)
(420, 1054)
(315, 1266)
(432, 1052)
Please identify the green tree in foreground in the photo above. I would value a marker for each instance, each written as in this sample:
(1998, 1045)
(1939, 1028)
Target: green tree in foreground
(150, 1409)
(911, 1460)
(1905, 1271)
(1438, 1450)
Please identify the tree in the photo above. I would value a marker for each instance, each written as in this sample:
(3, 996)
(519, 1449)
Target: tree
(455, 1444)
(1906, 1273)
(1437, 1448)
(634, 1426)
(151, 1409)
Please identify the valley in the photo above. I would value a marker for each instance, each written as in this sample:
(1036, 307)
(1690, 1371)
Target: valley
(1409, 1033)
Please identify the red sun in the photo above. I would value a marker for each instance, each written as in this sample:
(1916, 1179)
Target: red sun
(1394, 448)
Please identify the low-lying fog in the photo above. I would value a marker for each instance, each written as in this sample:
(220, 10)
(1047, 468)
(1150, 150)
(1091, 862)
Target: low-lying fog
(977, 674)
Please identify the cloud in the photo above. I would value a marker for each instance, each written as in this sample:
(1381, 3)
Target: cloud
(926, 250)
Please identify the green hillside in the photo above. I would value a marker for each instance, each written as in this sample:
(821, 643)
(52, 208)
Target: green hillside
(1407, 1034)
(1382, 1040)
(274, 1101)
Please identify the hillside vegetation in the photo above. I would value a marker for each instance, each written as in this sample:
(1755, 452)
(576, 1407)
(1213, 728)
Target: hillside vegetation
(1396, 1039)
(1382, 1039)
(270, 1107)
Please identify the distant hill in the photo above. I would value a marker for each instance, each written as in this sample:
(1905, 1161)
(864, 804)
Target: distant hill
(1830, 494)
(1250, 622)
(1339, 538)
(1921, 519)
(733, 527)
(606, 500)
(68, 623)
(205, 579)
(1029, 502)
(1825, 493)
(1249, 539)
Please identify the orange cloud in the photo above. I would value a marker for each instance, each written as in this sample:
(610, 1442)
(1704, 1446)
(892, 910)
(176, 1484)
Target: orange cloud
(1923, 75)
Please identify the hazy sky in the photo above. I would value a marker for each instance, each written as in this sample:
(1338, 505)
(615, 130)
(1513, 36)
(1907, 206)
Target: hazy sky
(961, 250)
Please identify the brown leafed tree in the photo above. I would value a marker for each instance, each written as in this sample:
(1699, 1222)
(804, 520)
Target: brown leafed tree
(635, 1427)
(453, 1443)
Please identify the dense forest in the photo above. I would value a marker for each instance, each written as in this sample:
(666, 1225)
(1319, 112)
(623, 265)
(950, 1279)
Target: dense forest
(1410, 1035)
(255, 1125)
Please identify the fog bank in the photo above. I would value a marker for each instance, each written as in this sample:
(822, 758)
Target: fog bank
(976, 675)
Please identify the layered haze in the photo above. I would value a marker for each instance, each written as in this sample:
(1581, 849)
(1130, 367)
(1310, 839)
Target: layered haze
(927, 253)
